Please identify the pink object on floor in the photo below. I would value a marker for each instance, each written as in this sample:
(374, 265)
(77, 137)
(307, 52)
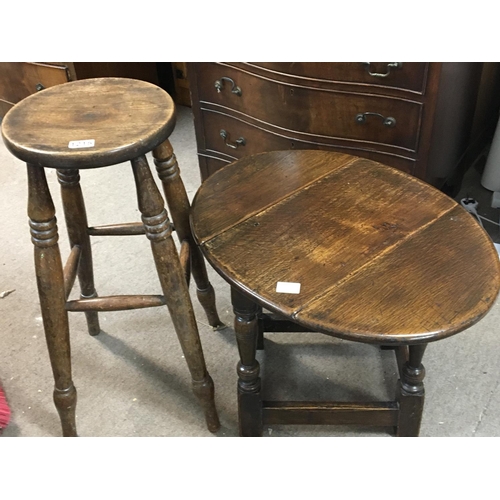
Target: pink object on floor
(4, 411)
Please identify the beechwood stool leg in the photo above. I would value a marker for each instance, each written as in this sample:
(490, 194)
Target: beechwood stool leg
(50, 281)
(77, 226)
(174, 286)
(178, 205)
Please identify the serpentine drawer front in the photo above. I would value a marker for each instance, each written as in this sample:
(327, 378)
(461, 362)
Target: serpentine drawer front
(232, 137)
(400, 114)
(393, 75)
(317, 112)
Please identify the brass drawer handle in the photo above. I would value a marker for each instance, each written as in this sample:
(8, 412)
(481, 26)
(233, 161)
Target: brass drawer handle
(391, 65)
(239, 142)
(388, 121)
(219, 85)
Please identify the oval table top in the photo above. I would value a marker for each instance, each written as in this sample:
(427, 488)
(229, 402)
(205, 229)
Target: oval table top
(380, 256)
(124, 118)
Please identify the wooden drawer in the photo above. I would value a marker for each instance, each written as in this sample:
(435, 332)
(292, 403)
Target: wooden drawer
(210, 165)
(210, 162)
(316, 112)
(245, 139)
(255, 140)
(20, 79)
(407, 76)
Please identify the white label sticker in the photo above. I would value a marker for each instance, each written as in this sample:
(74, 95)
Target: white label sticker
(88, 143)
(285, 287)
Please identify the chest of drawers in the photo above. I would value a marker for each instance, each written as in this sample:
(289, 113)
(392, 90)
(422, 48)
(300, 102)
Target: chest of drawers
(416, 116)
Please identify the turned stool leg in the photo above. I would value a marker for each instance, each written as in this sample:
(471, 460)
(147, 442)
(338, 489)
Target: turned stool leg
(76, 223)
(249, 396)
(411, 393)
(174, 286)
(178, 205)
(50, 281)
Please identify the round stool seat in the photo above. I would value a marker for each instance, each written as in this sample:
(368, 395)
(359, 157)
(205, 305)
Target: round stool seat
(365, 252)
(89, 123)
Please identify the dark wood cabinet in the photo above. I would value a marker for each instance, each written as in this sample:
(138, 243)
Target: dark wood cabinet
(21, 79)
(417, 117)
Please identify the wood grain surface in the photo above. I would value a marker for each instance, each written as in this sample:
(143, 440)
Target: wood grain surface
(381, 256)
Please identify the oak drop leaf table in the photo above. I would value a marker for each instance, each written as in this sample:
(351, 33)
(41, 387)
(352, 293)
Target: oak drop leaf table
(350, 248)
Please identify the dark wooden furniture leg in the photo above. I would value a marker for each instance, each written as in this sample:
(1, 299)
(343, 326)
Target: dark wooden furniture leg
(50, 281)
(76, 223)
(178, 205)
(174, 286)
(411, 391)
(249, 384)
(261, 329)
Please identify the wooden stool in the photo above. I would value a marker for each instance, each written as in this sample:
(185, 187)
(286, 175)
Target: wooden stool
(90, 124)
(348, 247)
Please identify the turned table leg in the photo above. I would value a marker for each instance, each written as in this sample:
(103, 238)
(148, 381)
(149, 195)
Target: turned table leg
(411, 393)
(76, 223)
(249, 385)
(178, 205)
(174, 286)
(50, 281)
